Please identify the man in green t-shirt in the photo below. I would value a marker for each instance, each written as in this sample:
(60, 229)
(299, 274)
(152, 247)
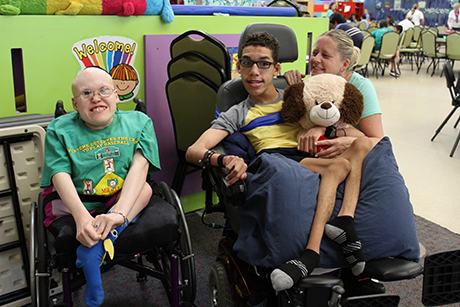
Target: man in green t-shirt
(101, 151)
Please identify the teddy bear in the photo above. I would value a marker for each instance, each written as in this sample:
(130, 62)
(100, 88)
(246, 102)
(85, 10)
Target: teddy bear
(322, 100)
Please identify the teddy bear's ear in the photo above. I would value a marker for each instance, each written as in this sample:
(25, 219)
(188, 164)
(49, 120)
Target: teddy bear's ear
(293, 107)
(352, 105)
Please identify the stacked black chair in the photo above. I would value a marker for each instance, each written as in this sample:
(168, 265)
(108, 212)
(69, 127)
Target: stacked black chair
(450, 82)
(196, 71)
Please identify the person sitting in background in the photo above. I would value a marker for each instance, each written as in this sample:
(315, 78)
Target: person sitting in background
(453, 22)
(372, 22)
(398, 29)
(378, 34)
(391, 21)
(332, 9)
(363, 19)
(368, 16)
(417, 16)
(338, 21)
(407, 23)
(353, 20)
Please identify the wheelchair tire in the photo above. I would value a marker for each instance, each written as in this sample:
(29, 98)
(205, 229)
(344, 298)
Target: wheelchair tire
(40, 269)
(182, 248)
(219, 287)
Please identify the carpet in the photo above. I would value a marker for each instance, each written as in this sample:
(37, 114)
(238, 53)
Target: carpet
(122, 289)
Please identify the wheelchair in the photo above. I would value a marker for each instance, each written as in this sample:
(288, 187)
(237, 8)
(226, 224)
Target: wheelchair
(156, 244)
(233, 282)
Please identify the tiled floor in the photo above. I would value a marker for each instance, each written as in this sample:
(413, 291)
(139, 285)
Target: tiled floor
(413, 107)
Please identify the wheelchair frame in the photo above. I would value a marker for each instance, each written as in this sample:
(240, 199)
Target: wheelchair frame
(174, 265)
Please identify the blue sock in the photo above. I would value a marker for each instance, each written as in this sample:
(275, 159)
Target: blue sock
(89, 260)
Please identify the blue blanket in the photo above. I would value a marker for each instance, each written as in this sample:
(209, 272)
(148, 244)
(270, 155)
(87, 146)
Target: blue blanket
(280, 205)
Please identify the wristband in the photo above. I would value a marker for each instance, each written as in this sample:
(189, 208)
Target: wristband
(220, 160)
(206, 160)
(120, 213)
(331, 132)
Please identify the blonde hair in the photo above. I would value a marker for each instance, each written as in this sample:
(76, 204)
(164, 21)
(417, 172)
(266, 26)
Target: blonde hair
(457, 5)
(344, 46)
(415, 7)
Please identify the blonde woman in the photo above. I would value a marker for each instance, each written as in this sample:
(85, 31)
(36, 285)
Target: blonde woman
(417, 16)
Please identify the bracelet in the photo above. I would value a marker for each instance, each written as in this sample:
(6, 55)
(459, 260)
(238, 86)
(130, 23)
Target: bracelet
(220, 160)
(206, 160)
(331, 132)
(120, 213)
(344, 131)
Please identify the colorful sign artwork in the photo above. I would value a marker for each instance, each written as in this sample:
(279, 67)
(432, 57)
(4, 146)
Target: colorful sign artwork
(114, 54)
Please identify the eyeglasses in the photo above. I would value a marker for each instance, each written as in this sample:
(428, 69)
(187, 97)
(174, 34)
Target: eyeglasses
(103, 92)
(260, 64)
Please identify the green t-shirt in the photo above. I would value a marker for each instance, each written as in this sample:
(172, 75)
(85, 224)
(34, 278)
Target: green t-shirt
(98, 160)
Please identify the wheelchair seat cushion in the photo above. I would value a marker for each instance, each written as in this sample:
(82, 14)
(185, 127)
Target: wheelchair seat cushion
(157, 225)
(384, 217)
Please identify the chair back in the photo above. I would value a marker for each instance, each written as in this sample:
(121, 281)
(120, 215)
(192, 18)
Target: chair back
(450, 78)
(429, 43)
(390, 41)
(208, 46)
(442, 29)
(407, 38)
(371, 29)
(362, 25)
(434, 31)
(453, 46)
(190, 97)
(196, 62)
(417, 32)
(366, 50)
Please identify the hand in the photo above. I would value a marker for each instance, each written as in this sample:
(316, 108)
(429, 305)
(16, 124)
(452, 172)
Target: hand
(86, 232)
(106, 222)
(336, 147)
(235, 168)
(293, 76)
(308, 140)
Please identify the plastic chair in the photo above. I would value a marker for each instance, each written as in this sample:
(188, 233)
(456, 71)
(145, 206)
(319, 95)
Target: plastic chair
(362, 25)
(196, 62)
(450, 82)
(366, 51)
(416, 38)
(406, 50)
(430, 50)
(441, 284)
(453, 47)
(191, 99)
(387, 51)
(208, 46)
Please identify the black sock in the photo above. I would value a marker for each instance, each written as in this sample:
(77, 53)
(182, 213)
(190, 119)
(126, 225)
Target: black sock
(342, 231)
(292, 271)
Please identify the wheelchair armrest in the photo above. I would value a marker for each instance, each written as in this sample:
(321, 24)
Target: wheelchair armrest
(319, 281)
(234, 194)
(392, 269)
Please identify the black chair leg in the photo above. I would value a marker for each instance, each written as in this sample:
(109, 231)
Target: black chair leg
(456, 123)
(444, 122)
(455, 145)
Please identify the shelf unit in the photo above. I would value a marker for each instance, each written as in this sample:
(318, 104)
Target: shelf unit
(21, 160)
(306, 6)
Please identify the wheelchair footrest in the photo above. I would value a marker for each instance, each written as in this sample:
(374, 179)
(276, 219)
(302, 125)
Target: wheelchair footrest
(380, 300)
(392, 269)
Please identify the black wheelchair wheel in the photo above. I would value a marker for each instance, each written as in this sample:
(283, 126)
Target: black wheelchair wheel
(183, 249)
(219, 287)
(40, 259)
